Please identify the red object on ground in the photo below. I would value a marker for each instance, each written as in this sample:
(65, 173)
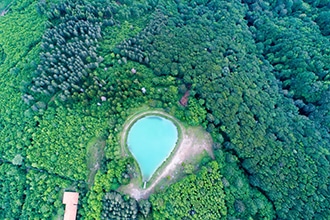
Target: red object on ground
(184, 99)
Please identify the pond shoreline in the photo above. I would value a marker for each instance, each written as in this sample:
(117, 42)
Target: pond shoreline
(192, 142)
(151, 140)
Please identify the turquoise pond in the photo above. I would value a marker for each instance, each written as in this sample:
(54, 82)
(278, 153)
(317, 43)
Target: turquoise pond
(151, 140)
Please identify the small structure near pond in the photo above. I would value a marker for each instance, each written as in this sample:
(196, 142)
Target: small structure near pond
(184, 100)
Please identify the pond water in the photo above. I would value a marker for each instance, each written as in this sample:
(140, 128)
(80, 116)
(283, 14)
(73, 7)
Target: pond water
(151, 140)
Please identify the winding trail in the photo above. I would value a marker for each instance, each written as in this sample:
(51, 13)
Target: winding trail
(194, 140)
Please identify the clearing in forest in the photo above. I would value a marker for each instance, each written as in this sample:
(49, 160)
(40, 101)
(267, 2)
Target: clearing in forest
(194, 141)
(95, 153)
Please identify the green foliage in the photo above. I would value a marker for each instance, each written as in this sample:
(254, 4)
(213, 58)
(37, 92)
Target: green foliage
(144, 207)
(2, 55)
(254, 70)
(63, 135)
(5, 5)
(132, 48)
(20, 32)
(116, 207)
(43, 195)
(113, 35)
(69, 48)
(32, 194)
(25, 33)
(110, 176)
(12, 186)
(120, 87)
(195, 113)
(300, 64)
(296, 45)
(244, 101)
(323, 22)
(242, 200)
(197, 196)
(70, 44)
(18, 160)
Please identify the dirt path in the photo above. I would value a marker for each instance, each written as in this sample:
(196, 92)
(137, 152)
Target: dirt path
(194, 141)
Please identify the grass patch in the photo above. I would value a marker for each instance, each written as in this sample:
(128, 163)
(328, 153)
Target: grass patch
(94, 155)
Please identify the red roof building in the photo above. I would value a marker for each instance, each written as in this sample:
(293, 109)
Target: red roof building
(70, 199)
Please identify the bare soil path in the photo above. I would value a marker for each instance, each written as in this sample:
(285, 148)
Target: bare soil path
(194, 140)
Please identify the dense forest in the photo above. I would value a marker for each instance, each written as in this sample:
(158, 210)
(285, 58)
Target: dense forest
(256, 74)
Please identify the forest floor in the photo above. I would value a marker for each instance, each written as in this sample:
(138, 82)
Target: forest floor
(194, 141)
